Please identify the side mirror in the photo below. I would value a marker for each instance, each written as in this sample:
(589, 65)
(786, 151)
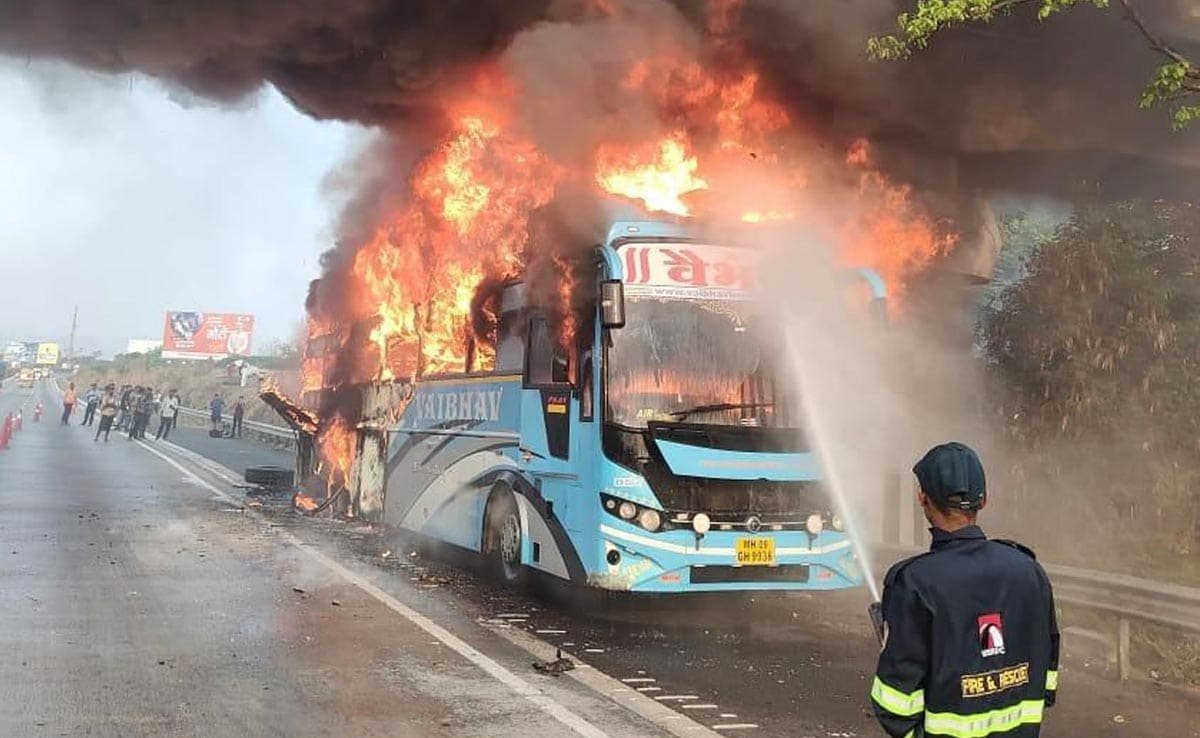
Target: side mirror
(612, 303)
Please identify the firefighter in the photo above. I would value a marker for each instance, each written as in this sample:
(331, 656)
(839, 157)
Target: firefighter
(970, 639)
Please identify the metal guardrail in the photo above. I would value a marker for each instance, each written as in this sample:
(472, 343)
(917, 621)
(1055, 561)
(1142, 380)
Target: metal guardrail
(1129, 598)
(276, 435)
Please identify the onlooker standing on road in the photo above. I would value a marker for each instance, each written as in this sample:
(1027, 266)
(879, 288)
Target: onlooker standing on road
(239, 411)
(91, 400)
(216, 408)
(68, 403)
(124, 404)
(108, 411)
(166, 417)
(131, 412)
(143, 409)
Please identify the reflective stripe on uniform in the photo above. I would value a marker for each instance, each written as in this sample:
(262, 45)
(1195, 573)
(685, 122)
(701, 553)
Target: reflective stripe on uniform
(1052, 679)
(984, 723)
(897, 702)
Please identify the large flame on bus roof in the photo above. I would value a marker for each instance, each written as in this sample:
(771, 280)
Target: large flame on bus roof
(718, 147)
(467, 214)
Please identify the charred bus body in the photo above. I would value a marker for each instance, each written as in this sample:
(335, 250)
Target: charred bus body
(654, 449)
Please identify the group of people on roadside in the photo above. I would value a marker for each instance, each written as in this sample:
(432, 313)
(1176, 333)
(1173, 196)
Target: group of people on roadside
(128, 409)
(131, 408)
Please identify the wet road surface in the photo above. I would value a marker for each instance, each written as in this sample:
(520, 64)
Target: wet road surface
(779, 666)
(136, 601)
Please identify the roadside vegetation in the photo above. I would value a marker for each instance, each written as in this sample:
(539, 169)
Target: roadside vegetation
(1094, 346)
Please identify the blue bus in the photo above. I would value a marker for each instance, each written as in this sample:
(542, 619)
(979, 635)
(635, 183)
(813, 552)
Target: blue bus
(653, 451)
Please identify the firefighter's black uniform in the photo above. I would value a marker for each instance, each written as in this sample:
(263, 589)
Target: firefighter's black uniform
(971, 641)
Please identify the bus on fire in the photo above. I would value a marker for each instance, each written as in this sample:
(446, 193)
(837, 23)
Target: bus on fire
(662, 456)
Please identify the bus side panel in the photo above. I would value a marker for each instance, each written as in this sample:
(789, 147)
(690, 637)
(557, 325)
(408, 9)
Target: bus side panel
(453, 434)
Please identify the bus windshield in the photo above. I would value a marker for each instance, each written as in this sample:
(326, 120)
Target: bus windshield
(689, 361)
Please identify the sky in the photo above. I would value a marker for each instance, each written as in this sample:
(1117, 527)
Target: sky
(129, 199)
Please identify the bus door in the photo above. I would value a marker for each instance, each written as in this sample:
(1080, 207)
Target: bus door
(549, 452)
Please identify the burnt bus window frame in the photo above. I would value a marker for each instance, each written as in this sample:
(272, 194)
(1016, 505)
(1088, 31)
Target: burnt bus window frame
(510, 344)
(544, 353)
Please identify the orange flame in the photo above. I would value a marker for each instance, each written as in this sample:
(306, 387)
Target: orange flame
(659, 175)
(891, 234)
(722, 148)
(336, 442)
(467, 219)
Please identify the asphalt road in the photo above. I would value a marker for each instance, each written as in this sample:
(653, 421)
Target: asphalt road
(779, 666)
(136, 599)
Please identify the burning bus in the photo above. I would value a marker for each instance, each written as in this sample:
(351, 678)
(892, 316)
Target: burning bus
(647, 443)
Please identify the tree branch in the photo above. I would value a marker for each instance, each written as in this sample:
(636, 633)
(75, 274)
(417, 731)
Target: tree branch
(1133, 16)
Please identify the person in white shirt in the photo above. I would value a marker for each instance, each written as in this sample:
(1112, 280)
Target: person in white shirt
(166, 415)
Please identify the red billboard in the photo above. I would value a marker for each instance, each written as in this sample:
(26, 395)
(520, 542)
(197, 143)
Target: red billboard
(191, 335)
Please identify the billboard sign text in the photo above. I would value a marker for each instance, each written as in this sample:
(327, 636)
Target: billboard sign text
(193, 335)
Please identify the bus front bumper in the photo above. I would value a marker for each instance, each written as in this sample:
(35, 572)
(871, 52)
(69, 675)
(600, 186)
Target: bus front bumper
(675, 561)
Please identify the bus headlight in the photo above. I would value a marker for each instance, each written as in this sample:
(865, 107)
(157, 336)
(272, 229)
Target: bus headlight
(837, 523)
(815, 524)
(701, 523)
(640, 515)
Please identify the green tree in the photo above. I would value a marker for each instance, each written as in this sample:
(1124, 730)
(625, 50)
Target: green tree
(1098, 349)
(1175, 82)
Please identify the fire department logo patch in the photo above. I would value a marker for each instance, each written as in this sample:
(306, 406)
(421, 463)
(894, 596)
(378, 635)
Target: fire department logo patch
(991, 634)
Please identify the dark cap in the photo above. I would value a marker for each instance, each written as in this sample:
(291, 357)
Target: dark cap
(952, 475)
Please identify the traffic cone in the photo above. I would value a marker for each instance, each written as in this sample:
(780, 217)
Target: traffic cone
(37, 413)
(19, 420)
(5, 431)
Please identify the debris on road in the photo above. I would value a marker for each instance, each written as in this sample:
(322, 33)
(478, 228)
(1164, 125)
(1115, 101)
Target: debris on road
(431, 579)
(336, 603)
(557, 666)
(298, 590)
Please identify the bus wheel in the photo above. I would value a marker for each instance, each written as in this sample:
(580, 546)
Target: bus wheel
(504, 539)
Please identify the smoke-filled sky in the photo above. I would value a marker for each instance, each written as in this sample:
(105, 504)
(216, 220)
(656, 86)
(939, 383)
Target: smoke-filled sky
(127, 199)
(172, 194)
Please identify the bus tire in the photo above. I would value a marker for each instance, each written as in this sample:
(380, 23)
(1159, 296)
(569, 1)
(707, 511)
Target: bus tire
(503, 539)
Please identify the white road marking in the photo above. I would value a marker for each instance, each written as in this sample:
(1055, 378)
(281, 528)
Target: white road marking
(649, 689)
(658, 713)
(549, 631)
(735, 726)
(676, 697)
(639, 680)
(699, 707)
(461, 647)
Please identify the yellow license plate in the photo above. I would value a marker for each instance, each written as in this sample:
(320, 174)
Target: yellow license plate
(758, 551)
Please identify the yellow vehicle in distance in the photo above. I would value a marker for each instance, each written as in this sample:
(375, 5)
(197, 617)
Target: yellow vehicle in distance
(25, 378)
